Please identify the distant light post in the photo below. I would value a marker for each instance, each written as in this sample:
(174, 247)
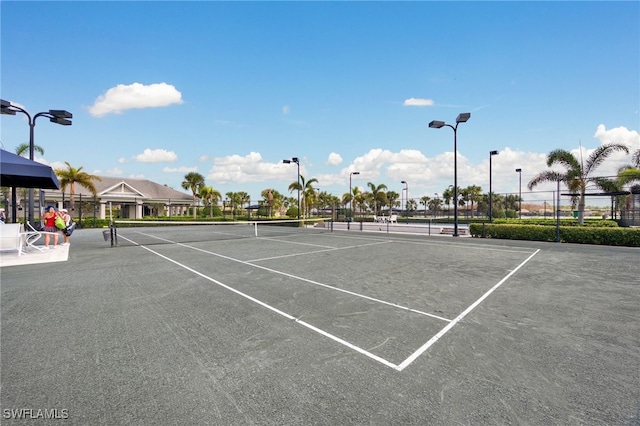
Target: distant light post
(295, 160)
(406, 199)
(57, 116)
(351, 198)
(463, 117)
(519, 171)
(491, 154)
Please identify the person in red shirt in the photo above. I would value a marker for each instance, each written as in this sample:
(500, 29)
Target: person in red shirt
(49, 218)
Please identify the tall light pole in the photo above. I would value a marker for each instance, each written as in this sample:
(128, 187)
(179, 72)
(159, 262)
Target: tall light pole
(406, 198)
(491, 154)
(519, 171)
(435, 206)
(295, 160)
(57, 116)
(463, 117)
(351, 198)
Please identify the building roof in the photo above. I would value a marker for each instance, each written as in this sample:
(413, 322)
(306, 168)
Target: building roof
(115, 188)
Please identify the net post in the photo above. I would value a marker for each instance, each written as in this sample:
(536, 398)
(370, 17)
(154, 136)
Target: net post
(255, 229)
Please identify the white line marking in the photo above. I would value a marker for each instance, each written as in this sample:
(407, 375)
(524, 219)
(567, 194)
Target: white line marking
(398, 367)
(316, 251)
(459, 318)
(279, 312)
(395, 305)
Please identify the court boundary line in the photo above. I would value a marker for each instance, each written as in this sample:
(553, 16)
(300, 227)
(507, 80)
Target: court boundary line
(315, 251)
(460, 317)
(295, 277)
(398, 367)
(279, 312)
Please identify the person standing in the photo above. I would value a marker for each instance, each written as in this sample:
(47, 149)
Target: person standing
(3, 216)
(64, 214)
(49, 218)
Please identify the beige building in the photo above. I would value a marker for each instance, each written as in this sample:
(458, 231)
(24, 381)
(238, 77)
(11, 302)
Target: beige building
(130, 198)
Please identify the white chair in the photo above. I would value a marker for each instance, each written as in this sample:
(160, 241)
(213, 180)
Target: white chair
(11, 237)
(393, 218)
(30, 236)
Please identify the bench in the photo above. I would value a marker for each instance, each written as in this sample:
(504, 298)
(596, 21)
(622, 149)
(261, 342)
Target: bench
(449, 231)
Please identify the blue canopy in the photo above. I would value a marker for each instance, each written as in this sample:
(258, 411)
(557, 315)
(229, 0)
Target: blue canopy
(16, 171)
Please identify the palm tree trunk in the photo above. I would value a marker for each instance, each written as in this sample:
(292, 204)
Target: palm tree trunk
(581, 205)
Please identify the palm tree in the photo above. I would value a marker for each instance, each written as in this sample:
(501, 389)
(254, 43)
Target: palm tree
(305, 188)
(273, 199)
(474, 194)
(378, 196)
(631, 172)
(23, 149)
(392, 200)
(434, 203)
(411, 206)
(578, 174)
(70, 176)
(425, 202)
(193, 181)
(211, 196)
(447, 196)
(243, 198)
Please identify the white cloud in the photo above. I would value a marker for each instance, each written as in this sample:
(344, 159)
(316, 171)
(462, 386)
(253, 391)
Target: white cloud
(418, 102)
(249, 168)
(122, 160)
(334, 159)
(135, 96)
(180, 169)
(286, 110)
(156, 156)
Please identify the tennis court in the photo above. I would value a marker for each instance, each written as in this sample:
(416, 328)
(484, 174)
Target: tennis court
(217, 325)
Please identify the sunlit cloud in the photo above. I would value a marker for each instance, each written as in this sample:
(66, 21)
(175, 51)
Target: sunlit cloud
(135, 96)
(420, 102)
(334, 159)
(156, 156)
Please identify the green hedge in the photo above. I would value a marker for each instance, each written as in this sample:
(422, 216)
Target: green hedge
(600, 223)
(568, 234)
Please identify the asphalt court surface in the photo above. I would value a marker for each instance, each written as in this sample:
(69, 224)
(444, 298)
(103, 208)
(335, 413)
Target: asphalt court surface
(335, 328)
(347, 285)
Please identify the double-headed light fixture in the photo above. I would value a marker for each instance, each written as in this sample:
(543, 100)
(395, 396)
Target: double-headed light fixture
(297, 161)
(57, 116)
(351, 199)
(463, 117)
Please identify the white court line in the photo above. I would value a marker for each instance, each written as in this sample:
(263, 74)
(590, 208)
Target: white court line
(438, 243)
(351, 293)
(317, 251)
(279, 312)
(459, 318)
(398, 367)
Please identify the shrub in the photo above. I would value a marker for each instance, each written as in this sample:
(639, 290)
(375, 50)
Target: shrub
(613, 236)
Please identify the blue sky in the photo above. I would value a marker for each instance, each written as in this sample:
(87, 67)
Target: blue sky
(230, 89)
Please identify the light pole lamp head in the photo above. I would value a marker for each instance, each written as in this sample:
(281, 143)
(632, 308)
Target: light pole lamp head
(295, 160)
(518, 170)
(493, 152)
(5, 108)
(60, 120)
(463, 117)
(435, 124)
(60, 113)
(286, 161)
(355, 173)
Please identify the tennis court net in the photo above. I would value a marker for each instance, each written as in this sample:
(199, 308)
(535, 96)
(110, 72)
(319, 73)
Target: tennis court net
(149, 232)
